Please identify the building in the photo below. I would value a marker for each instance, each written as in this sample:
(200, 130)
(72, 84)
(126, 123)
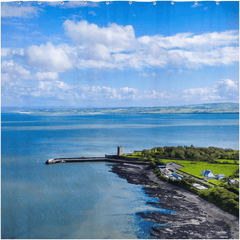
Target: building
(120, 151)
(233, 181)
(166, 172)
(177, 176)
(161, 166)
(220, 176)
(208, 174)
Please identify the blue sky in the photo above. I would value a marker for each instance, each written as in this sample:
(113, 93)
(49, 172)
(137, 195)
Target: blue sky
(119, 55)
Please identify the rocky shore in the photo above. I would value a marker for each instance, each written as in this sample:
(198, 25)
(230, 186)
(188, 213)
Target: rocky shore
(194, 219)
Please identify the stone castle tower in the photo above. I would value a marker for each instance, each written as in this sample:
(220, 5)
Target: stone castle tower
(120, 151)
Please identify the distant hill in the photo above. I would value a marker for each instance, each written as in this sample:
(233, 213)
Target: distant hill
(196, 108)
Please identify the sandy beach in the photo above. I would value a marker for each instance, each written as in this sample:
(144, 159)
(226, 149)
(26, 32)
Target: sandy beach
(194, 219)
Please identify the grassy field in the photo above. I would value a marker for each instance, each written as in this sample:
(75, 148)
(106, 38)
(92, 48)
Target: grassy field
(129, 156)
(226, 160)
(215, 181)
(197, 168)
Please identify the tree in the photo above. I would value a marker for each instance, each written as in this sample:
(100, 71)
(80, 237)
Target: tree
(223, 155)
(152, 164)
(145, 152)
(180, 153)
(149, 157)
(172, 154)
(235, 156)
(160, 150)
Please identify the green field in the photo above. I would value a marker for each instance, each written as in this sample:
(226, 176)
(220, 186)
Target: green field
(197, 168)
(129, 156)
(226, 160)
(215, 181)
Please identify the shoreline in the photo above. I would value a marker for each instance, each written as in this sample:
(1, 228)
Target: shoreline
(195, 218)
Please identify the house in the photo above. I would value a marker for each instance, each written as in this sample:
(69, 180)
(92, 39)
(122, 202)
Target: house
(208, 174)
(233, 181)
(220, 176)
(167, 172)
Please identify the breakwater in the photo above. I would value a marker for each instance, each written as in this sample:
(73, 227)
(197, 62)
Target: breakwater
(93, 159)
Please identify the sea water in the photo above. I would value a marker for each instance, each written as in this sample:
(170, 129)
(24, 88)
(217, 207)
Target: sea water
(87, 200)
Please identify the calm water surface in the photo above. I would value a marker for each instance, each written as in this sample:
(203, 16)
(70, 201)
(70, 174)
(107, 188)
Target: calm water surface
(86, 200)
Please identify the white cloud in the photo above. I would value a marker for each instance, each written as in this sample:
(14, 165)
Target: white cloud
(18, 11)
(13, 72)
(115, 37)
(200, 94)
(224, 90)
(5, 52)
(48, 58)
(191, 41)
(46, 75)
(227, 89)
(117, 47)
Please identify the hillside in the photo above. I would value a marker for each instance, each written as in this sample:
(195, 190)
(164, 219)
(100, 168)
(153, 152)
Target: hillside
(196, 108)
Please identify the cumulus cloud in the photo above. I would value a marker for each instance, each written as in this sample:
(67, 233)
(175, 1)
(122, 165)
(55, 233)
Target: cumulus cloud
(226, 89)
(192, 41)
(6, 52)
(75, 93)
(49, 86)
(13, 72)
(48, 58)
(9, 11)
(116, 46)
(46, 75)
(115, 37)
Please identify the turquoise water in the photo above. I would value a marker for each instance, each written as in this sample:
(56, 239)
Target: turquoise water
(86, 200)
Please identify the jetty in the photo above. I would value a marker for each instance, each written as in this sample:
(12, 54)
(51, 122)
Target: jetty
(108, 158)
(92, 159)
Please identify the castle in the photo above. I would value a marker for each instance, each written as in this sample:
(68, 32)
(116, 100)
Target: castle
(120, 151)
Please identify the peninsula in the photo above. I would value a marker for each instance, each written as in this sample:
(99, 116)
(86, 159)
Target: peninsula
(200, 184)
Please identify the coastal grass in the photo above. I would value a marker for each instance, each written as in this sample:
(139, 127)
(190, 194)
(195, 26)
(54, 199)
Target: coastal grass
(196, 168)
(155, 184)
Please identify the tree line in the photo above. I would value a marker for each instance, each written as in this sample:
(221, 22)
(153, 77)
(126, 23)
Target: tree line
(202, 154)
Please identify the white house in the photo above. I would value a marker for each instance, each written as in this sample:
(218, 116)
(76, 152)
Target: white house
(208, 174)
(220, 176)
